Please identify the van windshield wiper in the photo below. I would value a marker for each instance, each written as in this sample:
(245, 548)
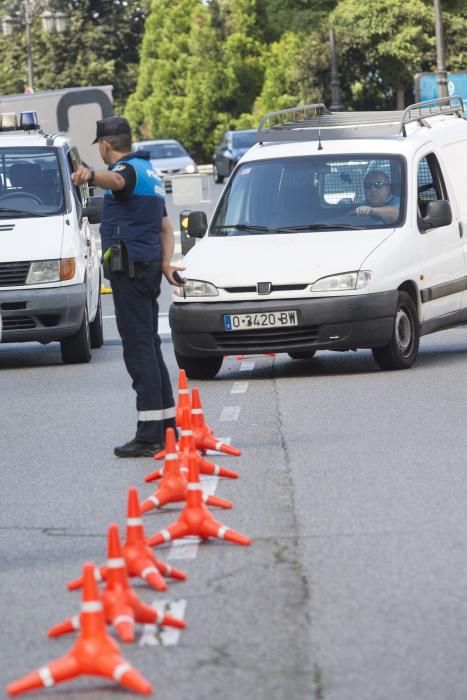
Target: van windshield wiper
(244, 227)
(21, 211)
(318, 227)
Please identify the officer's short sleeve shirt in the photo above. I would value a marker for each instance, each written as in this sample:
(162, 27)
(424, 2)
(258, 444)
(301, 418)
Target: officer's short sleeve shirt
(127, 171)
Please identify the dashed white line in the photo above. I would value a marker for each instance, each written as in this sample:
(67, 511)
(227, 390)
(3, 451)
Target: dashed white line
(239, 388)
(230, 413)
(153, 635)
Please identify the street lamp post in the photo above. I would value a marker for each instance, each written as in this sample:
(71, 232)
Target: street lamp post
(441, 74)
(23, 11)
(336, 101)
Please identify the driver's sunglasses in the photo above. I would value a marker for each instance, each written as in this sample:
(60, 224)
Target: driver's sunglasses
(378, 185)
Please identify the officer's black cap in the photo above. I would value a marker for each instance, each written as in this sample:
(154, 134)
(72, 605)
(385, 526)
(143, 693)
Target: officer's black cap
(111, 126)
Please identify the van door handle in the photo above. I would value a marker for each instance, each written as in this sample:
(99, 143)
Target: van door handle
(461, 229)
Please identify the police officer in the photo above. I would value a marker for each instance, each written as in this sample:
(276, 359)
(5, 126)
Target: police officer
(138, 238)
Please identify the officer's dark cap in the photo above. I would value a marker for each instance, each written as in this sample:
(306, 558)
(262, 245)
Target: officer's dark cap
(111, 126)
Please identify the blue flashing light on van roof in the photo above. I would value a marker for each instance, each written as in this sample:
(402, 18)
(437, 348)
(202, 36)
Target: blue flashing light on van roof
(27, 121)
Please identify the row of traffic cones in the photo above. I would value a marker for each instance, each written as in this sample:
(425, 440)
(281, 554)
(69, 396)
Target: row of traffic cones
(95, 652)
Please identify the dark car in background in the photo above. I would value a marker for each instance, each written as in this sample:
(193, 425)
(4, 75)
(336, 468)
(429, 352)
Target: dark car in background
(231, 148)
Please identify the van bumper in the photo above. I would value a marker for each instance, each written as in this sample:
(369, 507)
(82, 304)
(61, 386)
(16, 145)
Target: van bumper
(44, 315)
(336, 323)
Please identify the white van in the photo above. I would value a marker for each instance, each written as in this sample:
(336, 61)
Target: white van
(335, 231)
(49, 263)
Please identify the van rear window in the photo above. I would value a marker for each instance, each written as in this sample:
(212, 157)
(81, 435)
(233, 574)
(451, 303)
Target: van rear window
(313, 193)
(30, 182)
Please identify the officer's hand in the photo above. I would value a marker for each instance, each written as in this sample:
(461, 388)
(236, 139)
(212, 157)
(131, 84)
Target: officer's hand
(81, 175)
(173, 276)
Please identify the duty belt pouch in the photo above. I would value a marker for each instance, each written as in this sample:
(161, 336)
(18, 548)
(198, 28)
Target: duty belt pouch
(116, 257)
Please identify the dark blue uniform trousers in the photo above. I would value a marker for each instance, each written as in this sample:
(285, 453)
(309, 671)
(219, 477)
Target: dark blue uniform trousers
(136, 310)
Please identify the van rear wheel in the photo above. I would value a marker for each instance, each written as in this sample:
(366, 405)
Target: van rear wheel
(96, 327)
(77, 348)
(402, 351)
(199, 367)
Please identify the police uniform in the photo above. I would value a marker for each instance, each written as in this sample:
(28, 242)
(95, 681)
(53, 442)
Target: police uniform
(133, 217)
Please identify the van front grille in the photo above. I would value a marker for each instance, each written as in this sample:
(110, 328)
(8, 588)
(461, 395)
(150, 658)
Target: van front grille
(13, 274)
(271, 339)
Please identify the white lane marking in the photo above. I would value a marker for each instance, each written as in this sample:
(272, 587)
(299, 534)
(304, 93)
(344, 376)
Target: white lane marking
(239, 388)
(247, 365)
(219, 439)
(153, 635)
(187, 547)
(230, 413)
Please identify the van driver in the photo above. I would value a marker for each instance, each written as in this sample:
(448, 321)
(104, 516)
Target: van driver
(379, 200)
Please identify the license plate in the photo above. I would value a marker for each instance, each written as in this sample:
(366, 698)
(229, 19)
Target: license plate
(271, 319)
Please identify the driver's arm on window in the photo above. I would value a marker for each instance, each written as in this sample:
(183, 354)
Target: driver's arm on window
(389, 213)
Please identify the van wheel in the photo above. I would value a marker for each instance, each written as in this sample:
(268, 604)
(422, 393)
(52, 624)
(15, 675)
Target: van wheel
(199, 367)
(305, 355)
(77, 348)
(402, 351)
(218, 179)
(96, 328)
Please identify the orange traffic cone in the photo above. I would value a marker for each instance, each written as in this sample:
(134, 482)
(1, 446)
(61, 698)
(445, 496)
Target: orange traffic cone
(140, 560)
(122, 606)
(187, 448)
(183, 396)
(93, 654)
(195, 519)
(203, 435)
(172, 488)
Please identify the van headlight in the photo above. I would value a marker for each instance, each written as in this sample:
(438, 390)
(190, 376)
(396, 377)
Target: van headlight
(196, 288)
(342, 282)
(42, 271)
(190, 168)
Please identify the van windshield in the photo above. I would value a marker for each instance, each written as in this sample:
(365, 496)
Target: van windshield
(312, 193)
(30, 182)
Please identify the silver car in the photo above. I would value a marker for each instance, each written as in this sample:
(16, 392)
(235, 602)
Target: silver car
(168, 158)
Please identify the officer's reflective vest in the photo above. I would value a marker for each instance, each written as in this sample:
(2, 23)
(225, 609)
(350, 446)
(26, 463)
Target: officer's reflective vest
(137, 220)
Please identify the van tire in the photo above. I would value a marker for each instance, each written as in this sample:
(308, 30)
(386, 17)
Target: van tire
(218, 179)
(96, 328)
(199, 367)
(305, 355)
(402, 351)
(77, 348)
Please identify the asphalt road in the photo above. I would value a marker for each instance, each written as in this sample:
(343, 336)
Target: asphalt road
(352, 485)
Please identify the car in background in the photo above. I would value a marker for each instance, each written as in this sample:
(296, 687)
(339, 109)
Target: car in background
(168, 158)
(231, 148)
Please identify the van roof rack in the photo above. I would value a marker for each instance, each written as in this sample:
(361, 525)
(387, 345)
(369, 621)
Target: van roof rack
(313, 122)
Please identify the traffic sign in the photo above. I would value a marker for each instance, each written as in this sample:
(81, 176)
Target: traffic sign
(426, 86)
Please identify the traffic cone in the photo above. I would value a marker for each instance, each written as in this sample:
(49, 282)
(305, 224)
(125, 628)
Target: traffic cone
(172, 488)
(183, 396)
(93, 654)
(186, 447)
(203, 435)
(140, 560)
(195, 519)
(122, 606)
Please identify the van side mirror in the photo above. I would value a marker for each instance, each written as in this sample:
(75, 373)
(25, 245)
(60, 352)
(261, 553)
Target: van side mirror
(197, 224)
(438, 213)
(93, 210)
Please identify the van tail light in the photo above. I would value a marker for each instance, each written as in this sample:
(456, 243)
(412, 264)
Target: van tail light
(67, 269)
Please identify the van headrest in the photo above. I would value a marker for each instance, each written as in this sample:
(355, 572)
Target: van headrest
(25, 175)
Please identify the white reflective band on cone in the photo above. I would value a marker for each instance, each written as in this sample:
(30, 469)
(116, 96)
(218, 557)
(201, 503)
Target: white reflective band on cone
(75, 622)
(185, 433)
(123, 618)
(148, 570)
(46, 676)
(91, 606)
(154, 500)
(196, 411)
(116, 563)
(171, 455)
(166, 535)
(221, 532)
(97, 574)
(133, 522)
(216, 469)
(218, 446)
(193, 486)
(184, 391)
(120, 670)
